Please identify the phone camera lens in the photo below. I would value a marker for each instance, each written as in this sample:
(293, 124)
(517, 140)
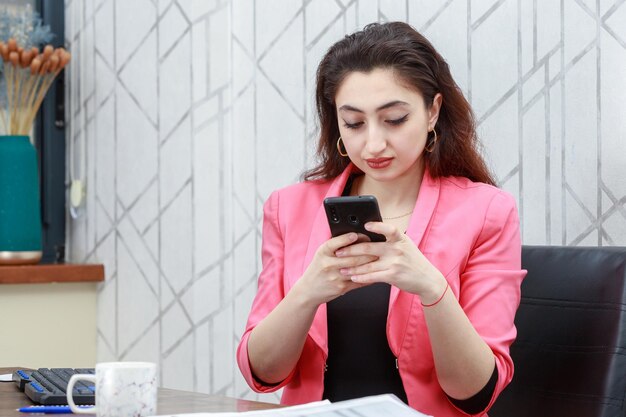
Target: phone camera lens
(333, 215)
(353, 219)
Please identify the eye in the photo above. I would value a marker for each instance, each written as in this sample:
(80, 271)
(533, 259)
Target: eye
(352, 125)
(399, 121)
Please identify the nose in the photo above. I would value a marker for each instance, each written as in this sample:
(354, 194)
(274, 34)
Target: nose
(376, 140)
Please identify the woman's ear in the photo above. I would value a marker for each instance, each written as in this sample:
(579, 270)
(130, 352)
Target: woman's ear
(433, 111)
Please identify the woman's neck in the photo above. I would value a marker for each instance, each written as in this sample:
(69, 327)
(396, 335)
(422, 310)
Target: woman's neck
(394, 196)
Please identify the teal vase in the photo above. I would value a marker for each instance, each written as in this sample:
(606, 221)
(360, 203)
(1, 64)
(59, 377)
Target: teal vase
(20, 214)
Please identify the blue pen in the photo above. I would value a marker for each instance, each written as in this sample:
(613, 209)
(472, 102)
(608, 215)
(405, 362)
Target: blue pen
(49, 409)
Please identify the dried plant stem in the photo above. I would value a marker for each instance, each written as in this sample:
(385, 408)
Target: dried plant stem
(29, 97)
(13, 95)
(21, 104)
(46, 82)
(14, 112)
(4, 120)
(16, 99)
(36, 80)
(8, 71)
(2, 110)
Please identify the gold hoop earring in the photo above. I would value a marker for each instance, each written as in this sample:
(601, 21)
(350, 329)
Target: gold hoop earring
(345, 153)
(431, 146)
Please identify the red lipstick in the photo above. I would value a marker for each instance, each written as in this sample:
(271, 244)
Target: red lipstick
(378, 163)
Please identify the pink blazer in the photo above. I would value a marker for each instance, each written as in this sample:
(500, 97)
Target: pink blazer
(469, 231)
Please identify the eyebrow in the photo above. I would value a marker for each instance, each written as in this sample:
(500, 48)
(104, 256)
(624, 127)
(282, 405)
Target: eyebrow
(383, 107)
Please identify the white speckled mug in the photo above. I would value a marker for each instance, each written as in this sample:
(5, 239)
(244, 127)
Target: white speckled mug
(123, 389)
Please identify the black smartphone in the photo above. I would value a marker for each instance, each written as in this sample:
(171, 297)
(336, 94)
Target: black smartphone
(350, 213)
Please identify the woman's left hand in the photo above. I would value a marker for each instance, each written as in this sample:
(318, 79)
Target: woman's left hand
(400, 263)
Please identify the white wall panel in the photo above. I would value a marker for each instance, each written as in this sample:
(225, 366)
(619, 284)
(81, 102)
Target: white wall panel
(193, 111)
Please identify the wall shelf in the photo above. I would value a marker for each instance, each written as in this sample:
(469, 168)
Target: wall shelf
(39, 274)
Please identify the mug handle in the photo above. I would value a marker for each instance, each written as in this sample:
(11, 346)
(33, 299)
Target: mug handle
(70, 390)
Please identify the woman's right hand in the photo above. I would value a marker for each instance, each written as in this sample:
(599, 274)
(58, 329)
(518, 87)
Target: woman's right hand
(322, 281)
(290, 321)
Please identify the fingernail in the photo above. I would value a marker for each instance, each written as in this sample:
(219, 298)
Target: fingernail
(354, 279)
(344, 271)
(340, 253)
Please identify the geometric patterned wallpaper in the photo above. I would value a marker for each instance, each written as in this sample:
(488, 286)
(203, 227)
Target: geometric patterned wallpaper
(189, 113)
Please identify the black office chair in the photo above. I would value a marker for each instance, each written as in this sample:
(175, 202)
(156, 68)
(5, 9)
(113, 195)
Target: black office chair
(570, 352)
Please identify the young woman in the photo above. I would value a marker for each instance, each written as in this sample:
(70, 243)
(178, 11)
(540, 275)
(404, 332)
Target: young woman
(426, 315)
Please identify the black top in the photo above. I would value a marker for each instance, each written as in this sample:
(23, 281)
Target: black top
(360, 362)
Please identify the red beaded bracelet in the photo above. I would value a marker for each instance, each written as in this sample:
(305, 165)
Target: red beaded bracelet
(439, 299)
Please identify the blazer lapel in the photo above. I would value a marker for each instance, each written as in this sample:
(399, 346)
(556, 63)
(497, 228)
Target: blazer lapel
(422, 213)
(320, 233)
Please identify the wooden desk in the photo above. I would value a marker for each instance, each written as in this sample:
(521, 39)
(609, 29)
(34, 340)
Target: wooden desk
(170, 401)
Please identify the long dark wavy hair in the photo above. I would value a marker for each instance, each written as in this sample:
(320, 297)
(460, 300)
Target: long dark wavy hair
(399, 47)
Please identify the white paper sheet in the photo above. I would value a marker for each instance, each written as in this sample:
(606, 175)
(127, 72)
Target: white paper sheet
(375, 406)
(6, 378)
